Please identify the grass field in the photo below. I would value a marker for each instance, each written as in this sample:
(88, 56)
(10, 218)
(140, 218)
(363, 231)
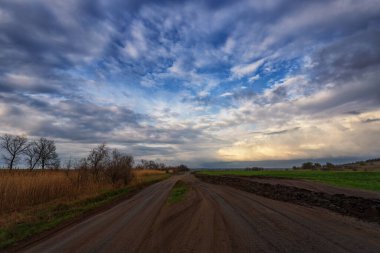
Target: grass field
(350, 179)
(33, 202)
(178, 192)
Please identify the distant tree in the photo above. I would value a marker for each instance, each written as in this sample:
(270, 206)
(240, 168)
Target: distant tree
(120, 167)
(41, 153)
(329, 165)
(307, 166)
(32, 155)
(183, 167)
(14, 146)
(161, 166)
(151, 165)
(254, 168)
(98, 159)
(46, 153)
(317, 165)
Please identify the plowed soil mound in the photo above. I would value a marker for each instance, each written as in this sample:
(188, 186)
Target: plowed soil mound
(348, 202)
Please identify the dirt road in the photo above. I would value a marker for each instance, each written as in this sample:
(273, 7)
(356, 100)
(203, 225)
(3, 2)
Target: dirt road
(212, 218)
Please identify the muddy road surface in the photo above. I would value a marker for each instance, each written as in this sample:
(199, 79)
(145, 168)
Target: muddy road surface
(212, 218)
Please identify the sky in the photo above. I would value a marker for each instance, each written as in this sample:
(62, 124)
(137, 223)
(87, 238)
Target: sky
(207, 83)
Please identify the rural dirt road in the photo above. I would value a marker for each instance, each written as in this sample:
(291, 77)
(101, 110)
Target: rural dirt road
(212, 218)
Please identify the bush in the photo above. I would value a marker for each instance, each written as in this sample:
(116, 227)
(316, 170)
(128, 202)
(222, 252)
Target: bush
(120, 167)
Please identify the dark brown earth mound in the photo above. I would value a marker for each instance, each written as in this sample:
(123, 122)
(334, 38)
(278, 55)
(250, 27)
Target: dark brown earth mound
(315, 186)
(364, 208)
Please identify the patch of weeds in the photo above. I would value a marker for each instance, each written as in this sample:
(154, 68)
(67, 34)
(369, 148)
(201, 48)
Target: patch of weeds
(178, 192)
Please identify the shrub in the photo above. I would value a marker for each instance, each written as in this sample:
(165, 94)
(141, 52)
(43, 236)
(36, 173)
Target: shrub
(120, 167)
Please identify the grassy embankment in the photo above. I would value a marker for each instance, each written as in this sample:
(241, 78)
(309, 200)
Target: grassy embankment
(33, 202)
(349, 179)
(178, 192)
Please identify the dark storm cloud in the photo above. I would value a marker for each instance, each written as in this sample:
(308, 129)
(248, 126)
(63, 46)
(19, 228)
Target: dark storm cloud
(44, 35)
(71, 119)
(349, 58)
(42, 42)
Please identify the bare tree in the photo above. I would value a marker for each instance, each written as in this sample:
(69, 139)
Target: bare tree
(14, 146)
(32, 155)
(46, 152)
(120, 167)
(98, 158)
(150, 165)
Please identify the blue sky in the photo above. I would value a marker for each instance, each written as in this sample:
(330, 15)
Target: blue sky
(199, 82)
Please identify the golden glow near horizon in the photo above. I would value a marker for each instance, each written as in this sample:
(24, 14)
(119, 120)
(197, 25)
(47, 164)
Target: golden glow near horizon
(346, 135)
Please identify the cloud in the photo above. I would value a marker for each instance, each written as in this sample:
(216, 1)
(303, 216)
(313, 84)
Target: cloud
(283, 131)
(371, 120)
(316, 138)
(254, 78)
(227, 94)
(193, 81)
(246, 69)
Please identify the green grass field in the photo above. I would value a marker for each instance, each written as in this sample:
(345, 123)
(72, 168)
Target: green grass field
(350, 179)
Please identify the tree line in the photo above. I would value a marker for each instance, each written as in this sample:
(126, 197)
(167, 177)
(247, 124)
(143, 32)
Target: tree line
(315, 166)
(35, 153)
(41, 153)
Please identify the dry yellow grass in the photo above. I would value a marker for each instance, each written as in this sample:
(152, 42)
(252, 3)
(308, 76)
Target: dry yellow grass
(34, 201)
(141, 175)
(21, 189)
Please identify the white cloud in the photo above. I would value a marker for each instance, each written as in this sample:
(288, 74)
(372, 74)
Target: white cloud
(242, 70)
(227, 94)
(254, 78)
(136, 44)
(229, 46)
(20, 79)
(131, 50)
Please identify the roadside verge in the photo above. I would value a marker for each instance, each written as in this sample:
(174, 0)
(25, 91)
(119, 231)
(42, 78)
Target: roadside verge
(56, 217)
